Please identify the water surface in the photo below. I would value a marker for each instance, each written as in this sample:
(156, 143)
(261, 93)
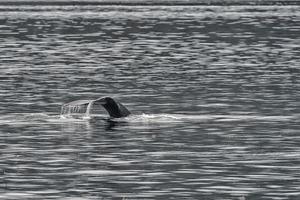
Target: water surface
(214, 92)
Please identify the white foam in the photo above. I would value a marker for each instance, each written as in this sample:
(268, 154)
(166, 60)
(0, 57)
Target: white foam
(40, 118)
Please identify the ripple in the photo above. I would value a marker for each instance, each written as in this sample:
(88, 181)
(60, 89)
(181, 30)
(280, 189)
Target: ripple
(214, 91)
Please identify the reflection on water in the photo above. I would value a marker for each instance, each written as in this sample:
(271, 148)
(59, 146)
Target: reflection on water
(214, 92)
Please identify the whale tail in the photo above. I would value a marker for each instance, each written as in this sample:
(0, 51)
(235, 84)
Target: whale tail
(114, 108)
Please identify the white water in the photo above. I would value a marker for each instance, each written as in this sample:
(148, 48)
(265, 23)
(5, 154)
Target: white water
(74, 116)
(77, 108)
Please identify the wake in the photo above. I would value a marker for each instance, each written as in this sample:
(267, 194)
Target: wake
(74, 116)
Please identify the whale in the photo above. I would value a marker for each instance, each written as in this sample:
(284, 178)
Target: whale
(114, 108)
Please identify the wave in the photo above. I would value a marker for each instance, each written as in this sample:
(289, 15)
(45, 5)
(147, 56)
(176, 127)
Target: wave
(44, 118)
(148, 3)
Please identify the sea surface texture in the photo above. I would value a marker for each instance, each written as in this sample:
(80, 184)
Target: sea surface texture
(214, 92)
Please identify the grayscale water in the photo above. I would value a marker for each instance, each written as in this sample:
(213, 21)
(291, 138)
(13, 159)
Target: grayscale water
(214, 90)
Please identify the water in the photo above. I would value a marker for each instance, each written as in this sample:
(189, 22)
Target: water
(214, 92)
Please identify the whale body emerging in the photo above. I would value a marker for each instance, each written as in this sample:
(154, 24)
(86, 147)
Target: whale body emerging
(114, 108)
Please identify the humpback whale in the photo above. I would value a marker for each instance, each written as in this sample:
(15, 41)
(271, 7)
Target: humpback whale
(114, 108)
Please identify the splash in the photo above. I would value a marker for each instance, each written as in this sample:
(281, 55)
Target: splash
(78, 108)
(182, 118)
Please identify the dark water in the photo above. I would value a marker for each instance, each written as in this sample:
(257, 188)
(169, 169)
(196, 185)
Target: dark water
(215, 92)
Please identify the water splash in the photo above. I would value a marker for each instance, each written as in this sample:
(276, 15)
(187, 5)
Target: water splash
(82, 114)
(89, 108)
(81, 108)
(177, 118)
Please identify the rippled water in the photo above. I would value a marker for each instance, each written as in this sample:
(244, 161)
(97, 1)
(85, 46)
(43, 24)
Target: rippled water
(214, 92)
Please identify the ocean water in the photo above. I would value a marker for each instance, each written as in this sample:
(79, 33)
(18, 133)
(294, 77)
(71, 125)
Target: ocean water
(214, 93)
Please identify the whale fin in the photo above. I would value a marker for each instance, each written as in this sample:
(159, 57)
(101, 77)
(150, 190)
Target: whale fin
(114, 108)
